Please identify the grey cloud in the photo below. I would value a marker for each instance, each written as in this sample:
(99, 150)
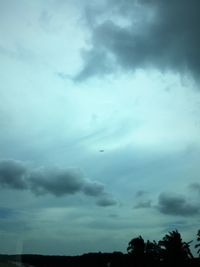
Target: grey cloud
(13, 174)
(176, 205)
(93, 189)
(106, 201)
(143, 204)
(55, 181)
(98, 63)
(61, 182)
(142, 201)
(170, 40)
(195, 187)
(58, 182)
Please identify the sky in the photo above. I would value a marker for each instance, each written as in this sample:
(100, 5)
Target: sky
(99, 123)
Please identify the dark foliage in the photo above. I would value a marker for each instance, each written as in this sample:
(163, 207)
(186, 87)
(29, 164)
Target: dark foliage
(174, 249)
(171, 251)
(198, 244)
(115, 259)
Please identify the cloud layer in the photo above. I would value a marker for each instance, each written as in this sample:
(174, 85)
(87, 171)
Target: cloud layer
(106, 201)
(143, 204)
(58, 182)
(176, 205)
(143, 118)
(160, 34)
(170, 203)
(12, 174)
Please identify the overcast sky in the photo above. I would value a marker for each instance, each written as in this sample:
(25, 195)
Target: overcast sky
(99, 123)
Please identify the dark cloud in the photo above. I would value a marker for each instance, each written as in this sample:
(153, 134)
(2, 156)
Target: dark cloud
(106, 201)
(160, 34)
(60, 182)
(93, 189)
(176, 205)
(13, 174)
(55, 181)
(142, 201)
(143, 204)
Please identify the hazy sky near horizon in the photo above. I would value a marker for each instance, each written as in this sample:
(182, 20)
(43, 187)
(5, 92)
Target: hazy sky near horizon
(99, 123)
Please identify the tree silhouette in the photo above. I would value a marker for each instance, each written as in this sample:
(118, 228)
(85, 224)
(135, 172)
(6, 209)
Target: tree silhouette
(175, 250)
(153, 251)
(198, 245)
(136, 247)
(143, 253)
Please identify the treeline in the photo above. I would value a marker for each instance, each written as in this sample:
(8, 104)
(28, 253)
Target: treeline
(170, 251)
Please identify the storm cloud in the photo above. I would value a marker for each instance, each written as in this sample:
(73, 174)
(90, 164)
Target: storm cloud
(176, 205)
(160, 34)
(13, 174)
(55, 181)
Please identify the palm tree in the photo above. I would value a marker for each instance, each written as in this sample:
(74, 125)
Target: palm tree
(136, 247)
(142, 252)
(153, 251)
(198, 245)
(174, 248)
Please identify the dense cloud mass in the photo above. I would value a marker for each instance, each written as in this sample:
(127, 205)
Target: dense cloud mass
(54, 181)
(162, 34)
(12, 174)
(176, 205)
(106, 201)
